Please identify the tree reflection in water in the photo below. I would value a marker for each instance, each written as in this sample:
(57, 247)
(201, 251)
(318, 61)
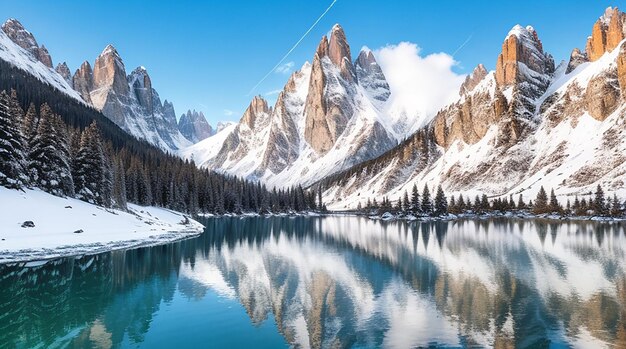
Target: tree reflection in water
(340, 282)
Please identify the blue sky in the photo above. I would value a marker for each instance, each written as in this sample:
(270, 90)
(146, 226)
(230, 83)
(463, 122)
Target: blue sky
(207, 55)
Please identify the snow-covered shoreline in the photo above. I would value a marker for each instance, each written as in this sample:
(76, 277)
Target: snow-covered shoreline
(512, 215)
(66, 227)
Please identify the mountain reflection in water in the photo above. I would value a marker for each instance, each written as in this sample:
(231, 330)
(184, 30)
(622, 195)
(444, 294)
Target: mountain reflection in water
(338, 282)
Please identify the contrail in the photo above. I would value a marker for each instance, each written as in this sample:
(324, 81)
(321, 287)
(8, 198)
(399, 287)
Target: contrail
(469, 38)
(293, 47)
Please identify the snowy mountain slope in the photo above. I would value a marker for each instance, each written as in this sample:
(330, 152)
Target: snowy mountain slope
(128, 100)
(24, 60)
(330, 115)
(523, 126)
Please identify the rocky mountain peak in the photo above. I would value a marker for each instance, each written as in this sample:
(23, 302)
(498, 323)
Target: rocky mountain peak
(257, 107)
(472, 80)
(83, 81)
(371, 76)
(522, 45)
(108, 74)
(607, 33)
(322, 47)
(25, 39)
(194, 126)
(140, 82)
(64, 71)
(575, 59)
(338, 47)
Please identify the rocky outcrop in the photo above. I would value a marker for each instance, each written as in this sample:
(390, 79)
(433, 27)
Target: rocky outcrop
(522, 46)
(621, 69)
(317, 131)
(472, 80)
(65, 72)
(607, 33)
(338, 48)
(371, 76)
(575, 59)
(24, 39)
(194, 126)
(141, 85)
(602, 95)
(110, 87)
(83, 81)
(257, 106)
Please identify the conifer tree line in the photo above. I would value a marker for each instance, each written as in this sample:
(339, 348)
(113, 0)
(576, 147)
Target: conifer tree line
(424, 204)
(38, 149)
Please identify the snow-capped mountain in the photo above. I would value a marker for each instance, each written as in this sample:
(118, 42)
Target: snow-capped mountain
(19, 47)
(128, 100)
(329, 116)
(512, 130)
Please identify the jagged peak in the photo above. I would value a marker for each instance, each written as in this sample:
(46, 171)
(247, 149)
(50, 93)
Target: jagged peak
(605, 19)
(110, 50)
(12, 22)
(521, 32)
(141, 70)
(338, 47)
(322, 47)
(336, 28)
(85, 65)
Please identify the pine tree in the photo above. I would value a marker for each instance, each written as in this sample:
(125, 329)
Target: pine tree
(427, 205)
(441, 203)
(520, 203)
(13, 172)
(415, 199)
(461, 204)
(407, 204)
(554, 205)
(31, 121)
(541, 202)
(49, 155)
(599, 203)
(90, 168)
(616, 207)
(119, 185)
(452, 205)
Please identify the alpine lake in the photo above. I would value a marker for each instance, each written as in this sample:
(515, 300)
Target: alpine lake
(332, 282)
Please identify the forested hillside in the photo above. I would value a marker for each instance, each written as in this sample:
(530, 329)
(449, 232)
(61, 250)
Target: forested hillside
(51, 141)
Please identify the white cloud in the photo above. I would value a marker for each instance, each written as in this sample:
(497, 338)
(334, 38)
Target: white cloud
(273, 92)
(284, 68)
(419, 84)
(228, 112)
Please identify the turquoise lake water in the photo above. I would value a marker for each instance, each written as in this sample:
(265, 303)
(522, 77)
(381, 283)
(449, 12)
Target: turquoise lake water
(332, 282)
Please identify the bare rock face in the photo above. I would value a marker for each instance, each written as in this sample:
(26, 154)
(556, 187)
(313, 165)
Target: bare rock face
(602, 95)
(522, 45)
(317, 130)
(621, 69)
(141, 85)
(338, 47)
(109, 75)
(468, 120)
(64, 71)
(371, 76)
(607, 33)
(24, 39)
(194, 126)
(257, 107)
(83, 81)
(283, 142)
(576, 58)
(473, 79)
